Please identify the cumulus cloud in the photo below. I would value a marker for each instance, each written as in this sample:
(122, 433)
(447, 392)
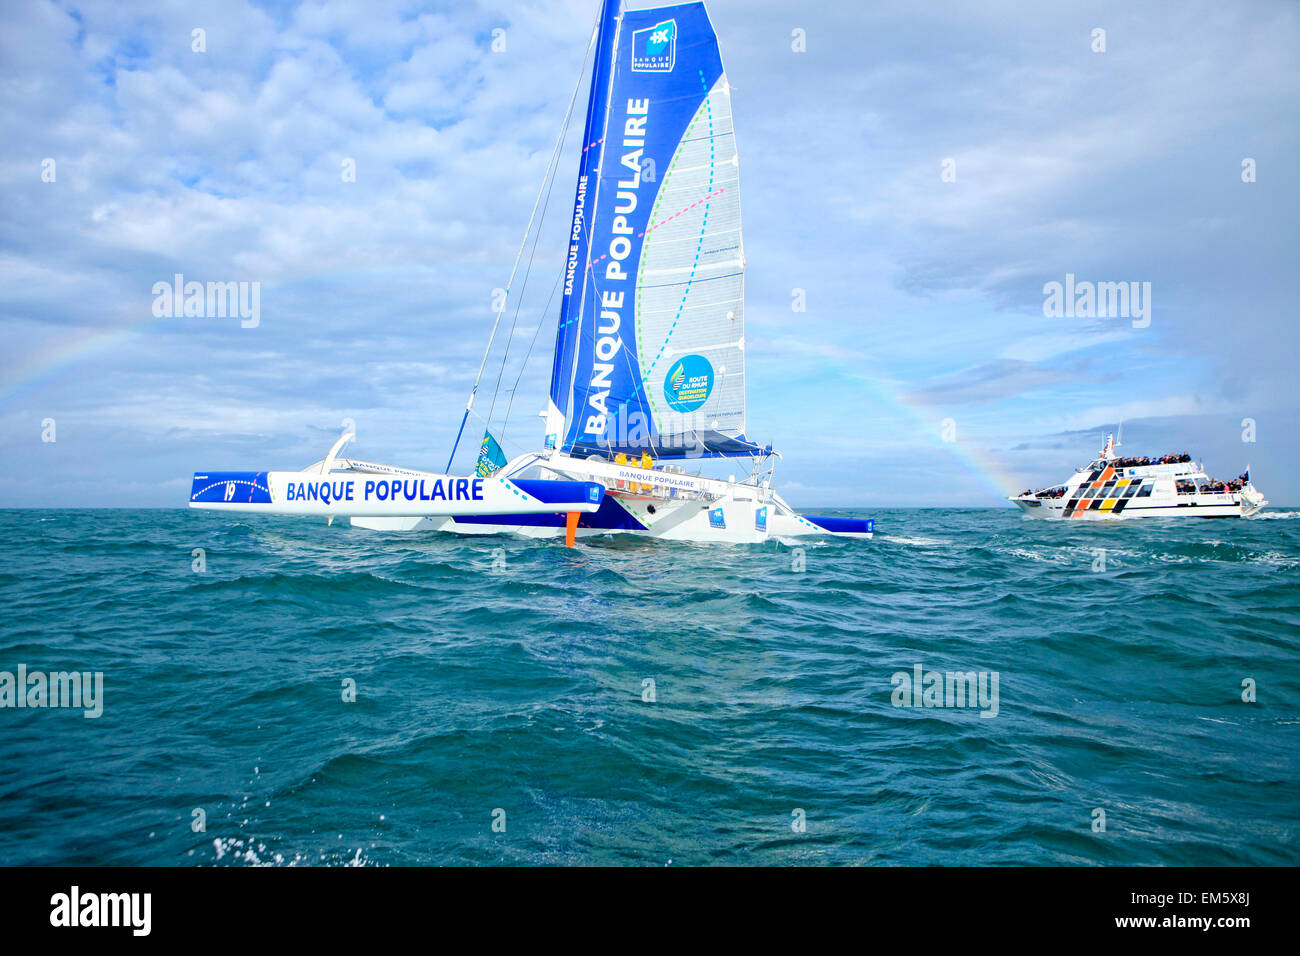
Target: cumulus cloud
(921, 295)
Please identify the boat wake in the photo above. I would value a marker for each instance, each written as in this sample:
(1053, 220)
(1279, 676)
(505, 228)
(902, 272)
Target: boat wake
(916, 542)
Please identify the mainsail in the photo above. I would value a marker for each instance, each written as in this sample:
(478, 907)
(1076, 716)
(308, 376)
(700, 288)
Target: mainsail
(649, 352)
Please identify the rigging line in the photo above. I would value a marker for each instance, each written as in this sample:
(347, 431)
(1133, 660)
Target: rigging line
(528, 271)
(501, 439)
(642, 386)
(514, 390)
(559, 142)
(708, 104)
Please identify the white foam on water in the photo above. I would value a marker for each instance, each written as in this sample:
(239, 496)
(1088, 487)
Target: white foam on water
(1037, 556)
(917, 542)
(804, 543)
(258, 854)
(1275, 558)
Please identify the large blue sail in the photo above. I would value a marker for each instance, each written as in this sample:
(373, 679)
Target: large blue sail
(575, 273)
(658, 359)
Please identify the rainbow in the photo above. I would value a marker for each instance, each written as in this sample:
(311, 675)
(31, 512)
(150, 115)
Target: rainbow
(55, 359)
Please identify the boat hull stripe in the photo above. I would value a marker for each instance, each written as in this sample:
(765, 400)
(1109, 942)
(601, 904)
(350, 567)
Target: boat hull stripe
(610, 516)
(843, 525)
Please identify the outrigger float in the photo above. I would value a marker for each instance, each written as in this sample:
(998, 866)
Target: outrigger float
(1111, 487)
(648, 368)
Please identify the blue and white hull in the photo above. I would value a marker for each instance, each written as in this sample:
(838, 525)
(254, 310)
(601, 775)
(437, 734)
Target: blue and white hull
(652, 503)
(734, 522)
(355, 491)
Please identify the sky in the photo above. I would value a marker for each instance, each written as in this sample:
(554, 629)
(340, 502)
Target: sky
(913, 176)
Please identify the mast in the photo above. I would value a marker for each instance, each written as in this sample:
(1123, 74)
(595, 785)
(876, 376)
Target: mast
(584, 200)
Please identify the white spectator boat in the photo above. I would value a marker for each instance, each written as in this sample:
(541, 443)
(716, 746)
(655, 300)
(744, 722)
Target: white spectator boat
(1111, 487)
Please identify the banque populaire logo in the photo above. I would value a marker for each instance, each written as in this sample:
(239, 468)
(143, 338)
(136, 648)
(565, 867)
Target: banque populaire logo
(654, 49)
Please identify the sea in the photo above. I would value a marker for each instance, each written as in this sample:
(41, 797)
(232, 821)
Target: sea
(970, 687)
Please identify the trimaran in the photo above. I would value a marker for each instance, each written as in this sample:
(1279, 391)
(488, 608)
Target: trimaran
(648, 369)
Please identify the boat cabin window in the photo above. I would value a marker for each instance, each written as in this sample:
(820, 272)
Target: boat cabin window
(1145, 491)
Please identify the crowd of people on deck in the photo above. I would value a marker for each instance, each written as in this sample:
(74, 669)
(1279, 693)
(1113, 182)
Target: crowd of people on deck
(1045, 493)
(1139, 462)
(1213, 486)
(1210, 486)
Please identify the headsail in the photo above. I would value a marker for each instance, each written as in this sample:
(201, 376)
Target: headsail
(491, 458)
(656, 354)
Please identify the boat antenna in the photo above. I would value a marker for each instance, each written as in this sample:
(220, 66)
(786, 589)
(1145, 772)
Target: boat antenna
(542, 191)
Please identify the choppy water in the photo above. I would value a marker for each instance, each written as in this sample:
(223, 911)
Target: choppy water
(521, 690)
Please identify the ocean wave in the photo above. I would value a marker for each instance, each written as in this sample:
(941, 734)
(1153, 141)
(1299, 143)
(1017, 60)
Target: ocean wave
(332, 698)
